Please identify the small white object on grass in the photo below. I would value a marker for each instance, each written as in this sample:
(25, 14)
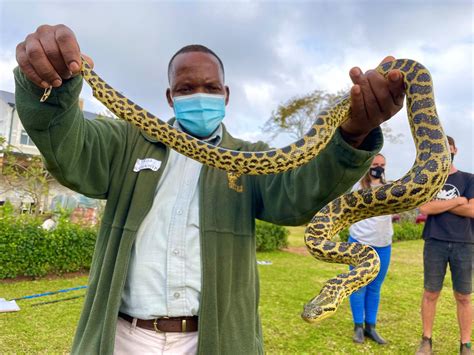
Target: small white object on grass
(8, 306)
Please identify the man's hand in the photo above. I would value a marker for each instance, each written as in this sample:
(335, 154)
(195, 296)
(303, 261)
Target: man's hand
(49, 55)
(374, 100)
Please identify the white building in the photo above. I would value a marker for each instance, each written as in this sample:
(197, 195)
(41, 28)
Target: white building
(15, 135)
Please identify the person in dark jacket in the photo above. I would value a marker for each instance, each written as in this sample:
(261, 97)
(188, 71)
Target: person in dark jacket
(174, 265)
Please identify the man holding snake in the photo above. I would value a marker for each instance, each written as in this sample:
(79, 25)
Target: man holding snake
(174, 266)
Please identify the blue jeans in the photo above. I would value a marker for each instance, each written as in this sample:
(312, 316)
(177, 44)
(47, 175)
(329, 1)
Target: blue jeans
(365, 302)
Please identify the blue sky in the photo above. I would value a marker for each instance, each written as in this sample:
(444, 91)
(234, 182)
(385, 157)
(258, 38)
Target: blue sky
(272, 51)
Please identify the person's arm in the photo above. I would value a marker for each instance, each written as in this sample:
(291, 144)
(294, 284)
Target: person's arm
(79, 153)
(465, 210)
(440, 206)
(293, 197)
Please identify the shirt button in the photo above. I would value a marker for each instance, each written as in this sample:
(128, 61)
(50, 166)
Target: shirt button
(180, 212)
(176, 295)
(176, 252)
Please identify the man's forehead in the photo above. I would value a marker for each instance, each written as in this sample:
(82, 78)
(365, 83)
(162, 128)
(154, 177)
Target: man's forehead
(195, 62)
(194, 58)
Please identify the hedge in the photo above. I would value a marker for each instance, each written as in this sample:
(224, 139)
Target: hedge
(26, 249)
(407, 231)
(270, 236)
(401, 231)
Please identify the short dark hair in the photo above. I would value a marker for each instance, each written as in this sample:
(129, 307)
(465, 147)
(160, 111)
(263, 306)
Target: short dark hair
(194, 48)
(451, 141)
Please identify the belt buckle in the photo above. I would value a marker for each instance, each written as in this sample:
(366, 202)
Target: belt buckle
(155, 324)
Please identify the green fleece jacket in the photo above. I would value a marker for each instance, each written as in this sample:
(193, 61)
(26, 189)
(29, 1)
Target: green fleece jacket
(96, 158)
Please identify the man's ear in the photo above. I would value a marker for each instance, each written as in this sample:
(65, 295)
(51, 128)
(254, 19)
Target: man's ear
(227, 95)
(169, 98)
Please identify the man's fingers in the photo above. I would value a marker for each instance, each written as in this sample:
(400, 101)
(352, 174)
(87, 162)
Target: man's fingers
(357, 102)
(69, 48)
(382, 93)
(26, 67)
(49, 55)
(51, 49)
(395, 83)
(396, 86)
(372, 108)
(40, 63)
(374, 99)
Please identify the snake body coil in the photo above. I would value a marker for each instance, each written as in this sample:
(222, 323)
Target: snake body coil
(418, 186)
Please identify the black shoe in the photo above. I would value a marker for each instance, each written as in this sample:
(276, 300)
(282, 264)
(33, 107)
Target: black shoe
(358, 334)
(426, 346)
(370, 332)
(465, 349)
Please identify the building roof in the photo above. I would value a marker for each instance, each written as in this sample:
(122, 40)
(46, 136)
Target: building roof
(9, 98)
(89, 115)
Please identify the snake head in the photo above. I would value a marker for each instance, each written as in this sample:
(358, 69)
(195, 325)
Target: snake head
(316, 310)
(313, 314)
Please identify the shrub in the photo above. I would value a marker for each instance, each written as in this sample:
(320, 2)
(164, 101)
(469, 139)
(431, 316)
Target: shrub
(344, 235)
(401, 231)
(270, 236)
(406, 231)
(26, 249)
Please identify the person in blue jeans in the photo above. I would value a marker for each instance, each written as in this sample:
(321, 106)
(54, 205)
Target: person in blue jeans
(376, 232)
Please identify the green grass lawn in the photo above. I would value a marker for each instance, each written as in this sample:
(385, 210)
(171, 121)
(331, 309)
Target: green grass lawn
(288, 283)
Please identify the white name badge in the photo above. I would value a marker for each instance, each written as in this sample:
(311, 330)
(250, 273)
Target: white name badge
(148, 163)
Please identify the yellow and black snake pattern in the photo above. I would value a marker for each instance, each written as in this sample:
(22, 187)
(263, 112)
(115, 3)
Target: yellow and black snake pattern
(418, 186)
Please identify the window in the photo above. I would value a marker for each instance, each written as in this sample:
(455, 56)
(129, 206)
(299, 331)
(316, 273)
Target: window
(25, 138)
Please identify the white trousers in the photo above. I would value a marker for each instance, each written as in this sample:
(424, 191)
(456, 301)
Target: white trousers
(130, 340)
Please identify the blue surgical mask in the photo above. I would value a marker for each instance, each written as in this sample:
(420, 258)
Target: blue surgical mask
(199, 114)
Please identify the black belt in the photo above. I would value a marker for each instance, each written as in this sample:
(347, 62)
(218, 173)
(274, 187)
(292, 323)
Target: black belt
(166, 324)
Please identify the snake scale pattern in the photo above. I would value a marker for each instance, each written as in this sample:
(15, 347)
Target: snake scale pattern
(419, 185)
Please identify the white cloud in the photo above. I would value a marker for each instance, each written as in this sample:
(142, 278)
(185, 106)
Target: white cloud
(261, 95)
(7, 64)
(272, 51)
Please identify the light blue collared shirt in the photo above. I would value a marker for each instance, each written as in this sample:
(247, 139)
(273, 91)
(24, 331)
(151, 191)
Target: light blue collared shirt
(164, 275)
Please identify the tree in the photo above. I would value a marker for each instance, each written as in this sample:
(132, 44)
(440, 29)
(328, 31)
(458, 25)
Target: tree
(390, 136)
(296, 116)
(25, 174)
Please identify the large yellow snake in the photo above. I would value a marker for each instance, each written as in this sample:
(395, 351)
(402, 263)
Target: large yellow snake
(419, 185)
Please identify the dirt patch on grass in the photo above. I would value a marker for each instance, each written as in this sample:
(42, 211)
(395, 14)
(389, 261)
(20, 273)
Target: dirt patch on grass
(297, 250)
(67, 275)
